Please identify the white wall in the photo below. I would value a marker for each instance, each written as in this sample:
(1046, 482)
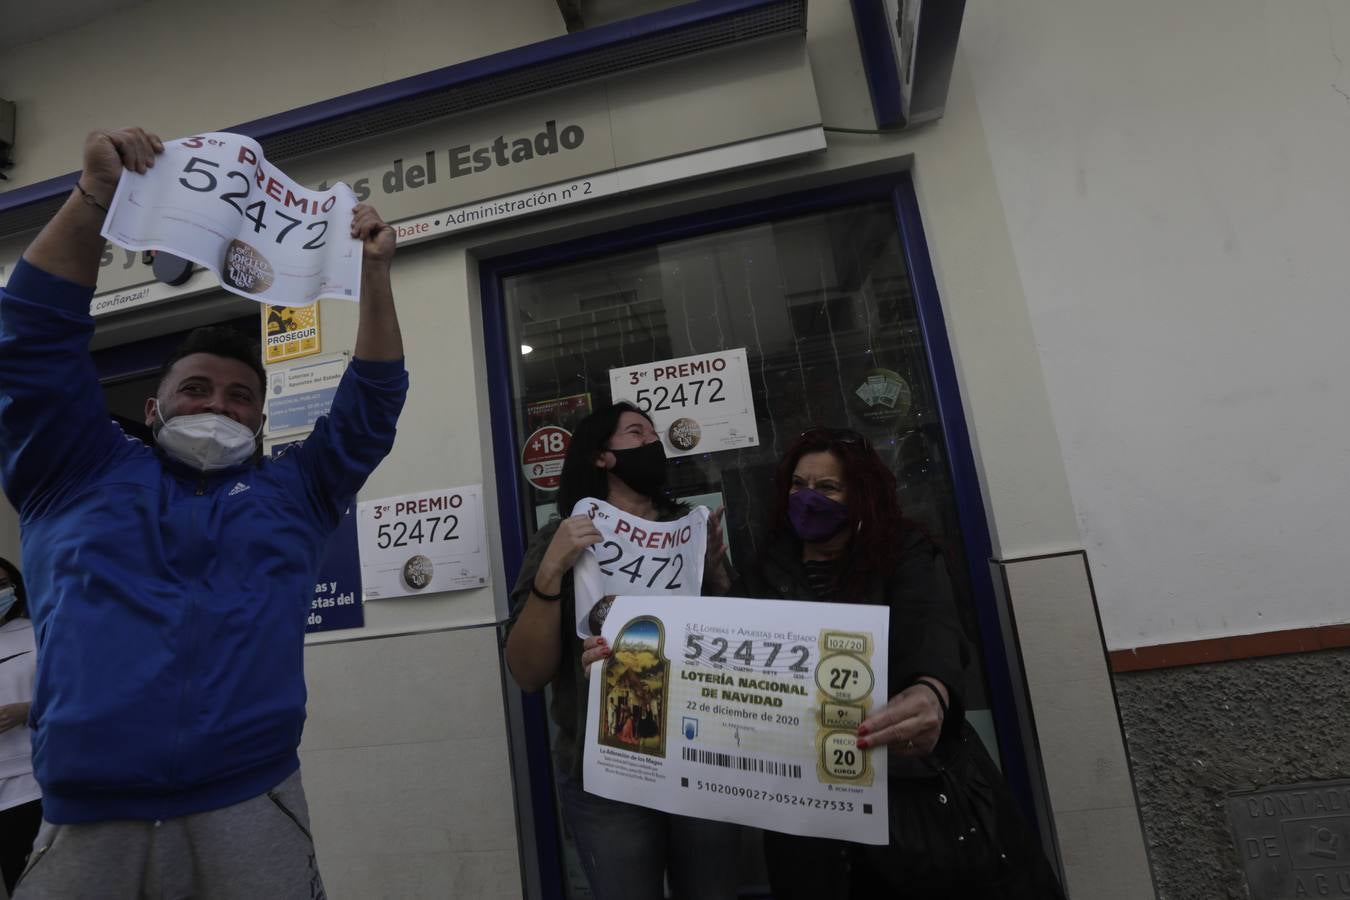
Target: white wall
(405, 756)
(9, 533)
(383, 757)
(438, 441)
(405, 765)
(1025, 492)
(181, 68)
(1175, 184)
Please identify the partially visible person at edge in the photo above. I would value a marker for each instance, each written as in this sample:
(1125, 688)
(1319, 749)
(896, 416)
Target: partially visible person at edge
(170, 584)
(626, 850)
(20, 796)
(837, 535)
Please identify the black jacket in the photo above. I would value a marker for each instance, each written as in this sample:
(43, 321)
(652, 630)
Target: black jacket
(926, 638)
(925, 634)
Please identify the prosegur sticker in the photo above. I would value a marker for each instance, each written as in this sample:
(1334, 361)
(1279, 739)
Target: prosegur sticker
(289, 332)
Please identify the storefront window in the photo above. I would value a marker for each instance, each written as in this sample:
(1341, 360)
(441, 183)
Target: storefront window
(822, 306)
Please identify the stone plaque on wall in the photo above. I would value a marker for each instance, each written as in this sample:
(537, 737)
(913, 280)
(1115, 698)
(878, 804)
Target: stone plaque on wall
(1294, 841)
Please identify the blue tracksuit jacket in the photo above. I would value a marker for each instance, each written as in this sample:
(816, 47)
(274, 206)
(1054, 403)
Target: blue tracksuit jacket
(169, 606)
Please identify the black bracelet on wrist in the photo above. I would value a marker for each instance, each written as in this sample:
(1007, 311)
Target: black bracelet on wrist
(551, 598)
(936, 693)
(88, 197)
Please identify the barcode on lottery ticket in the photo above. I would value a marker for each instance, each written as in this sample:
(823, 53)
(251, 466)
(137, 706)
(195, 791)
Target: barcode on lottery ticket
(743, 763)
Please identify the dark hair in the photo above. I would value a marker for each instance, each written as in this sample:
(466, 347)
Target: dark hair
(873, 505)
(581, 477)
(20, 607)
(219, 340)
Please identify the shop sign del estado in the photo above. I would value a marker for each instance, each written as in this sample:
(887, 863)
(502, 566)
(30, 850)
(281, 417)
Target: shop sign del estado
(531, 155)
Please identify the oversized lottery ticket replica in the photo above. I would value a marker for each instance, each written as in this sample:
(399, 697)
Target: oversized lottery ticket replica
(636, 556)
(213, 199)
(744, 711)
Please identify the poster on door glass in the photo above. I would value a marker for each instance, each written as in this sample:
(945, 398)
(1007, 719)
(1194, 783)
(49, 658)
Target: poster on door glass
(699, 404)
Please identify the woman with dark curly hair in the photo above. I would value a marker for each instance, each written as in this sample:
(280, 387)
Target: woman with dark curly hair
(20, 796)
(836, 534)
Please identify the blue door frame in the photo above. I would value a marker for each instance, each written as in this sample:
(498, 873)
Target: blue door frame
(898, 189)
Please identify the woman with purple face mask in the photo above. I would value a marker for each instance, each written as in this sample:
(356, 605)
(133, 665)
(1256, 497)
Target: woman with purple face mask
(837, 535)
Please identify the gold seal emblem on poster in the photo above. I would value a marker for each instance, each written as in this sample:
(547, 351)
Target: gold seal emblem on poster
(417, 572)
(685, 433)
(246, 269)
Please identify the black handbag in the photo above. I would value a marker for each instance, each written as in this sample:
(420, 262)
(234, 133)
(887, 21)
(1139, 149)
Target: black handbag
(955, 828)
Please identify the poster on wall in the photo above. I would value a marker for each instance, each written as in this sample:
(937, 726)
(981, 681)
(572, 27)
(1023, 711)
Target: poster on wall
(214, 199)
(297, 396)
(337, 586)
(289, 332)
(423, 543)
(541, 460)
(699, 404)
(884, 396)
(550, 424)
(336, 603)
(565, 412)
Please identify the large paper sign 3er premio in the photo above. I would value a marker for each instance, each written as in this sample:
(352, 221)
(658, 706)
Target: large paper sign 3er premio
(215, 200)
(635, 556)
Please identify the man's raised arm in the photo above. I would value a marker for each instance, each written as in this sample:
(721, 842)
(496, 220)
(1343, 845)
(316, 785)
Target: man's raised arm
(378, 338)
(54, 428)
(348, 443)
(70, 245)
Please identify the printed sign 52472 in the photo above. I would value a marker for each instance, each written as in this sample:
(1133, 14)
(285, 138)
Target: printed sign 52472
(423, 543)
(700, 404)
(402, 531)
(215, 200)
(236, 189)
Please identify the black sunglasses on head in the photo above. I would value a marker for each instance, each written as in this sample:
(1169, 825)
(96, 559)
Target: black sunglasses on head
(837, 435)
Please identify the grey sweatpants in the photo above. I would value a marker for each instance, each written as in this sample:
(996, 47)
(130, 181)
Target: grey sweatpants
(260, 848)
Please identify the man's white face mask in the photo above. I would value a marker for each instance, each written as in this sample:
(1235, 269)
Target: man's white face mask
(206, 441)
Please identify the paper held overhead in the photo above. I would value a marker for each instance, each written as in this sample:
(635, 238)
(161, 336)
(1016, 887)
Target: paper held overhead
(215, 200)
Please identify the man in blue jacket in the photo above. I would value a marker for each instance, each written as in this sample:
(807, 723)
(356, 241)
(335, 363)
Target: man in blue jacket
(170, 585)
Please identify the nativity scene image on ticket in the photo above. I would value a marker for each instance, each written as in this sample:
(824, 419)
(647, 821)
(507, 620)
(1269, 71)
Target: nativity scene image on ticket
(634, 689)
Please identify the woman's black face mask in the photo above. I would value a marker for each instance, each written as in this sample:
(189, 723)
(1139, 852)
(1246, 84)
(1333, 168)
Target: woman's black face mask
(642, 468)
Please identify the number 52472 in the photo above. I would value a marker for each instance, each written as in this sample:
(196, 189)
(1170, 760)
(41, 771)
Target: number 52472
(200, 175)
(425, 530)
(748, 653)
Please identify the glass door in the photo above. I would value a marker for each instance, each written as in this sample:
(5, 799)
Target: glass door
(822, 302)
